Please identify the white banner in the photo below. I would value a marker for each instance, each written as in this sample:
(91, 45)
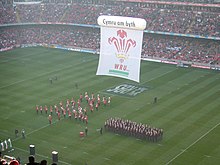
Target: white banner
(120, 53)
(121, 45)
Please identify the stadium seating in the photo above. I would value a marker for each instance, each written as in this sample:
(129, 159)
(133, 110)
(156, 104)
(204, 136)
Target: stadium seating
(154, 46)
(158, 18)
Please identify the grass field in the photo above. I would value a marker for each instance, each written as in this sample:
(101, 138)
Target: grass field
(188, 110)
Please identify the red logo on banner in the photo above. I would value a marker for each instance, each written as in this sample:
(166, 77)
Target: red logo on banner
(122, 44)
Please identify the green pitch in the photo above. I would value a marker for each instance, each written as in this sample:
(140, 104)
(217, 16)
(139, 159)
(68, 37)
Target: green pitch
(188, 110)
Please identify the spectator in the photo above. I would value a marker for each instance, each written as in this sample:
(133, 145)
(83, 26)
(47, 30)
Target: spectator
(32, 161)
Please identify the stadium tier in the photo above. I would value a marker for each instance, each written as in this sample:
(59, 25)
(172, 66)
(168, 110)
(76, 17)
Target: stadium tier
(176, 18)
(154, 46)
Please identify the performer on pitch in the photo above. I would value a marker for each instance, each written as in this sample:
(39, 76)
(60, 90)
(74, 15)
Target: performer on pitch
(50, 119)
(51, 110)
(155, 100)
(37, 109)
(45, 109)
(41, 109)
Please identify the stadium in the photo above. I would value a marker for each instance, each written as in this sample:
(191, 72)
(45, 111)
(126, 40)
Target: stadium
(56, 109)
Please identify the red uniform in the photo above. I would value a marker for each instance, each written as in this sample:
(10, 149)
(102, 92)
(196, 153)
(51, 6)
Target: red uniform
(86, 97)
(81, 97)
(45, 109)
(51, 109)
(99, 100)
(104, 101)
(41, 109)
(85, 111)
(69, 114)
(79, 103)
(37, 108)
(58, 115)
(64, 113)
(56, 108)
(61, 104)
(92, 96)
(91, 106)
(97, 106)
(50, 119)
(109, 100)
(75, 116)
(86, 119)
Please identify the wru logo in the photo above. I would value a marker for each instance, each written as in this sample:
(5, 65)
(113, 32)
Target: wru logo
(122, 44)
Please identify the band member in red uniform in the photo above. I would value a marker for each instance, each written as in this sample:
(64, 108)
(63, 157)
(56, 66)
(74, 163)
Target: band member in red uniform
(97, 106)
(81, 97)
(86, 119)
(41, 109)
(104, 101)
(61, 104)
(58, 115)
(50, 119)
(87, 97)
(98, 99)
(67, 101)
(45, 109)
(85, 111)
(51, 109)
(73, 103)
(92, 96)
(78, 103)
(64, 113)
(37, 108)
(75, 116)
(109, 100)
(91, 106)
(69, 114)
(56, 108)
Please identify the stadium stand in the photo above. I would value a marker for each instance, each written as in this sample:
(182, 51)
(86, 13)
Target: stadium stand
(159, 17)
(154, 46)
(193, 1)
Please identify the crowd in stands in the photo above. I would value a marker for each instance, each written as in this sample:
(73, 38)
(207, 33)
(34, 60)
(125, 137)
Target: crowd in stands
(13, 161)
(61, 35)
(134, 129)
(191, 1)
(158, 18)
(181, 48)
(154, 46)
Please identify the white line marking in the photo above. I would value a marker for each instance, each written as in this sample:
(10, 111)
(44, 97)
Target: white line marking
(158, 76)
(208, 156)
(107, 159)
(38, 129)
(193, 143)
(45, 73)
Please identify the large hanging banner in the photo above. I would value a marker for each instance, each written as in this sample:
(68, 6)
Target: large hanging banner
(121, 45)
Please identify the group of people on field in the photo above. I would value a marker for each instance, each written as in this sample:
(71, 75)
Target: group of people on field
(74, 108)
(130, 128)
